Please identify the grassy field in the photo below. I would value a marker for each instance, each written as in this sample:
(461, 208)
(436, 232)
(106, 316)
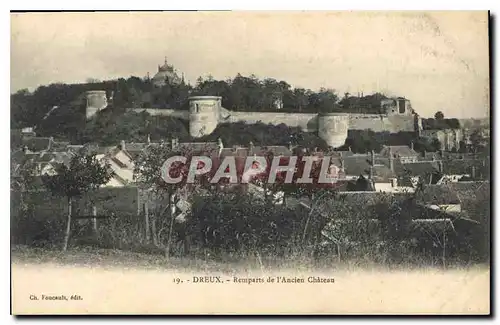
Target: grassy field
(111, 281)
(155, 259)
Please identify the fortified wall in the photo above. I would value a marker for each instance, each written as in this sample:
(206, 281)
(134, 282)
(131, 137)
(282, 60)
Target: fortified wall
(448, 138)
(206, 112)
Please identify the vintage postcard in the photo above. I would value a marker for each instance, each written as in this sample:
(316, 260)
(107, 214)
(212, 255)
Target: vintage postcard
(225, 163)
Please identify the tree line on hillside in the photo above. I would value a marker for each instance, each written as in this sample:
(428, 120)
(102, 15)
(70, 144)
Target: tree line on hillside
(439, 122)
(58, 110)
(240, 94)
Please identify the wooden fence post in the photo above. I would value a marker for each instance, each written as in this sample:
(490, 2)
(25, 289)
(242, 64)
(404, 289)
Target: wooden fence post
(172, 219)
(153, 230)
(146, 221)
(94, 220)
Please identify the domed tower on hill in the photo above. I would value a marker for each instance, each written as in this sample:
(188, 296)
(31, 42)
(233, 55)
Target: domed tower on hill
(166, 73)
(204, 114)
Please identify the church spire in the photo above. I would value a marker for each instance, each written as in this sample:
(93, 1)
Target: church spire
(165, 60)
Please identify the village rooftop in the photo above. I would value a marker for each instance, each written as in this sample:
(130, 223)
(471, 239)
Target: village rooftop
(253, 167)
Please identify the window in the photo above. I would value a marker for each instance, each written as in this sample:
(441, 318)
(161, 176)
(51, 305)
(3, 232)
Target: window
(402, 106)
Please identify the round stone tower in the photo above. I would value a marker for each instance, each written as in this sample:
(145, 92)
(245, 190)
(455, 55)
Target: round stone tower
(203, 114)
(333, 127)
(96, 100)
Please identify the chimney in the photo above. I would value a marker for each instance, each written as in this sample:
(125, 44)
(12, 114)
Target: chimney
(51, 141)
(473, 172)
(174, 143)
(440, 166)
(250, 147)
(370, 176)
(220, 145)
(373, 157)
(441, 153)
(411, 146)
(172, 205)
(350, 149)
(391, 160)
(149, 139)
(122, 144)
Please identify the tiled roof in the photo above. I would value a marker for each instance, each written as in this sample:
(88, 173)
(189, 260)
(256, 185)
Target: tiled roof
(277, 150)
(464, 166)
(382, 173)
(475, 198)
(135, 146)
(36, 143)
(256, 150)
(45, 157)
(59, 146)
(418, 168)
(400, 151)
(74, 148)
(438, 195)
(344, 153)
(427, 156)
(356, 165)
(199, 147)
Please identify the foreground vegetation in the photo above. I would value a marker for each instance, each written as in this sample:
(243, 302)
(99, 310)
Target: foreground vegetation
(235, 228)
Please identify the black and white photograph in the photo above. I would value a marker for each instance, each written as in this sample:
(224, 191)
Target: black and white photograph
(250, 163)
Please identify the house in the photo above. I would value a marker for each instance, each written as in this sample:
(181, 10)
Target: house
(410, 174)
(355, 165)
(134, 149)
(122, 165)
(455, 169)
(384, 179)
(37, 144)
(404, 154)
(379, 171)
(475, 198)
(439, 197)
(46, 163)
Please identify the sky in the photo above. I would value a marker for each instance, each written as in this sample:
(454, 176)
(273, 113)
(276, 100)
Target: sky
(438, 60)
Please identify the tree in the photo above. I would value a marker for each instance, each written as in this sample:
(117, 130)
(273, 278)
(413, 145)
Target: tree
(362, 141)
(84, 173)
(148, 174)
(22, 177)
(243, 224)
(439, 115)
(316, 192)
(477, 141)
